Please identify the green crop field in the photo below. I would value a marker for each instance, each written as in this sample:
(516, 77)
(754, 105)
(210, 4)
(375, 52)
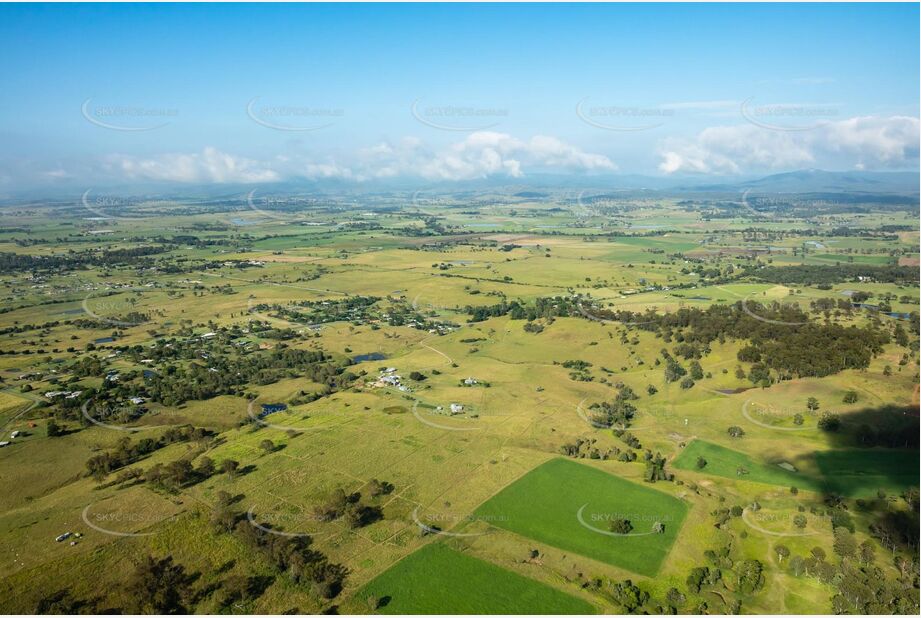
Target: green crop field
(547, 506)
(440, 580)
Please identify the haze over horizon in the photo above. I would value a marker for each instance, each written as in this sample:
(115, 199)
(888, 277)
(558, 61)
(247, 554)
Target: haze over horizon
(451, 93)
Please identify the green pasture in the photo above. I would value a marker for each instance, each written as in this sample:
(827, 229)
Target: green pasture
(438, 580)
(570, 505)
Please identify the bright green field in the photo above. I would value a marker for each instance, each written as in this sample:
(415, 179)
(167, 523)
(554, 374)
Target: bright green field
(439, 580)
(544, 505)
(722, 461)
(850, 472)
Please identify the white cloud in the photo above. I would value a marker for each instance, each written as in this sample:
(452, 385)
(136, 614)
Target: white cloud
(209, 165)
(874, 141)
(480, 155)
(863, 143)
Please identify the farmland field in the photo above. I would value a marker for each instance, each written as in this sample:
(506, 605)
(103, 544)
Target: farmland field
(570, 506)
(437, 580)
(849, 472)
(727, 462)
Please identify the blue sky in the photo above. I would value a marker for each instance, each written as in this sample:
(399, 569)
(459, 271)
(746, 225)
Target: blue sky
(254, 93)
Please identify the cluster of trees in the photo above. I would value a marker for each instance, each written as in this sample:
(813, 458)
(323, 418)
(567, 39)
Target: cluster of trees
(838, 273)
(579, 370)
(804, 349)
(655, 468)
(582, 448)
(290, 554)
(628, 438)
(620, 411)
(159, 586)
(127, 452)
(357, 310)
(348, 309)
(228, 375)
(351, 509)
(544, 307)
(73, 260)
(180, 473)
(743, 577)
(861, 586)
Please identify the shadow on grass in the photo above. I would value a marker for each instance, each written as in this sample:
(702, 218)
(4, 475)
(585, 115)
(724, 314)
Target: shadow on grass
(873, 449)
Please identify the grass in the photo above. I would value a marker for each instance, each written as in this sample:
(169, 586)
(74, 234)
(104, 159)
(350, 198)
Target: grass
(725, 462)
(499, 466)
(439, 580)
(855, 472)
(850, 472)
(544, 505)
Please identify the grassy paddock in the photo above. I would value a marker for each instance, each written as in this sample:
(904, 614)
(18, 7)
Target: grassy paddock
(547, 506)
(439, 580)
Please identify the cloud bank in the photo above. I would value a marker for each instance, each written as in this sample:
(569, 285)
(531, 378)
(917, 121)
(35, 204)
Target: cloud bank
(866, 142)
(482, 154)
(858, 143)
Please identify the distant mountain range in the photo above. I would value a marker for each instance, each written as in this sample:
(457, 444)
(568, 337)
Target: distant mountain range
(800, 181)
(820, 181)
(547, 186)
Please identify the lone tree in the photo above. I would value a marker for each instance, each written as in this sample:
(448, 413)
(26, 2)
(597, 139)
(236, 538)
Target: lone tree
(267, 445)
(230, 467)
(701, 463)
(621, 526)
(735, 431)
(799, 521)
(658, 527)
(850, 397)
(829, 422)
(812, 404)
(782, 552)
(223, 516)
(205, 467)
